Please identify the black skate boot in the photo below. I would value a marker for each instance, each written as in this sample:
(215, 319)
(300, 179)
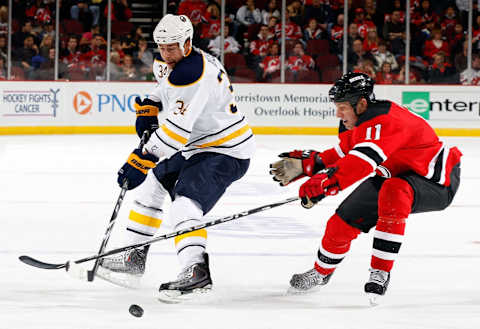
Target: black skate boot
(193, 280)
(124, 269)
(308, 282)
(377, 285)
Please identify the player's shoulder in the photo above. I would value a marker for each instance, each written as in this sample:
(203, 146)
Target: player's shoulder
(188, 71)
(375, 110)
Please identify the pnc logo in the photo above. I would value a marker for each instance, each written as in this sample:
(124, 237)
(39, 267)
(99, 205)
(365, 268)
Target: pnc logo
(417, 102)
(82, 102)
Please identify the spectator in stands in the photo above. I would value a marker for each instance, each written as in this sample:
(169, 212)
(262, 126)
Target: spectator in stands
(356, 54)
(116, 71)
(463, 7)
(3, 69)
(400, 78)
(461, 58)
(300, 61)
(476, 32)
(313, 30)
(230, 45)
(292, 30)
(120, 11)
(85, 14)
(370, 43)
(259, 47)
(394, 31)
(194, 9)
(129, 72)
(3, 20)
(382, 55)
(25, 55)
(88, 36)
(441, 72)
(271, 63)
(448, 22)
(435, 45)
(365, 65)
(272, 24)
(144, 57)
(295, 10)
(316, 9)
(247, 15)
(472, 76)
(385, 76)
(270, 10)
(3, 47)
(39, 12)
(117, 47)
(336, 35)
(397, 6)
(423, 14)
(363, 24)
(19, 36)
(457, 39)
(46, 71)
(211, 23)
(70, 56)
(95, 57)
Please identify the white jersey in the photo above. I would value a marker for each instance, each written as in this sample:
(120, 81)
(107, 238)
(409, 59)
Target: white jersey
(200, 110)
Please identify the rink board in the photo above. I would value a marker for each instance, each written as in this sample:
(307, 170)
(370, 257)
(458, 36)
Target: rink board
(100, 107)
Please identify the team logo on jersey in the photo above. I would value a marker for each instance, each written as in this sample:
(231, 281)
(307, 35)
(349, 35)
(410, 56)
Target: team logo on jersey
(417, 102)
(181, 107)
(82, 102)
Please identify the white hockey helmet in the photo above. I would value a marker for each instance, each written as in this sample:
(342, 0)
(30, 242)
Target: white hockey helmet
(172, 29)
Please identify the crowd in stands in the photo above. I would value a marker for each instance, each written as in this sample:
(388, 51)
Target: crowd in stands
(252, 40)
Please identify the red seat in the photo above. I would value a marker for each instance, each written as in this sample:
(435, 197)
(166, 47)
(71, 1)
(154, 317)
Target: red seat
(252, 31)
(318, 47)
(234, 61)
(330, 75)
(121, 27)
(308, 76)
(244, 74)
(328, 60)
(17, 73)
(72, 26)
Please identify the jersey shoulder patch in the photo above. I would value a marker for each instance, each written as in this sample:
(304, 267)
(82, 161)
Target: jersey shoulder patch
(188, 71)
(374, 110)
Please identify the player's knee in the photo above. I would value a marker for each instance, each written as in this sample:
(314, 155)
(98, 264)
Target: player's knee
(339, 230)
(183, 211)
(151, 193)
(395, 198)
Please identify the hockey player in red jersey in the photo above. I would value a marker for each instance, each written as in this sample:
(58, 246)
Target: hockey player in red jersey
(409, 170)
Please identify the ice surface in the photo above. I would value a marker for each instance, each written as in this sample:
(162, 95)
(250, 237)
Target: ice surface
(57, 194)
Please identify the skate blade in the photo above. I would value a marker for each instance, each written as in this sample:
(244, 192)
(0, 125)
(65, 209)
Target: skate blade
(295, 291)
(123, 280)
(177, 296)
(374, 299)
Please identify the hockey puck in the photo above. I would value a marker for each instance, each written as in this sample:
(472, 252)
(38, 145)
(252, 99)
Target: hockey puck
(136, 310)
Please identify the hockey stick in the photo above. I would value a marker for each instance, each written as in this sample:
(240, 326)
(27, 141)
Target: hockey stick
(106, 235)
(36, 263)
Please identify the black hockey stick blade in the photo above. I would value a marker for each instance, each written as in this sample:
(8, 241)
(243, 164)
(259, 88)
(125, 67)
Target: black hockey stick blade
(33, 262)
(36, 263)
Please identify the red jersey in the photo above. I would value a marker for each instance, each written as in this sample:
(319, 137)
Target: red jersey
(195, 10)
(336, 33)
(300, 63)
(260, 47)
(270, 64)
(292, 30)
(390, 140)
(431, 48)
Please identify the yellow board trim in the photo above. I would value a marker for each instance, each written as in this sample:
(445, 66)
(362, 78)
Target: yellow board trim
(225, 139)
(200, 233)
(259, 130)
(174, 136)
(144, 220)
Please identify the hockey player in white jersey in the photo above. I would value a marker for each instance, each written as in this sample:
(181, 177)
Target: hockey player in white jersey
(204, 143)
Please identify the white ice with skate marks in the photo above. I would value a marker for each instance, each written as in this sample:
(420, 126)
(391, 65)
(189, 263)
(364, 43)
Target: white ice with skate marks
(58, 193)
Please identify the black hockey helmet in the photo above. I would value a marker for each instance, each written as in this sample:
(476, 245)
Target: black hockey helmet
(351, 87)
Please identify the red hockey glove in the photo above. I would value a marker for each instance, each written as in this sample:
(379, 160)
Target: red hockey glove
(318, 187)
(295, 165)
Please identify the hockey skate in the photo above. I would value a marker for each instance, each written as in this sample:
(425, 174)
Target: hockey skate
(376, 285)
(192, 281)
(124, 269)
(307, 282)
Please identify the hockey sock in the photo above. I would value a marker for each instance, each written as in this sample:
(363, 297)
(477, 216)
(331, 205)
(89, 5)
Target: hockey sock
(395, 201)
(143, 223)
(146, 214)
(186, 212)
(387, 240)
(335, 244)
